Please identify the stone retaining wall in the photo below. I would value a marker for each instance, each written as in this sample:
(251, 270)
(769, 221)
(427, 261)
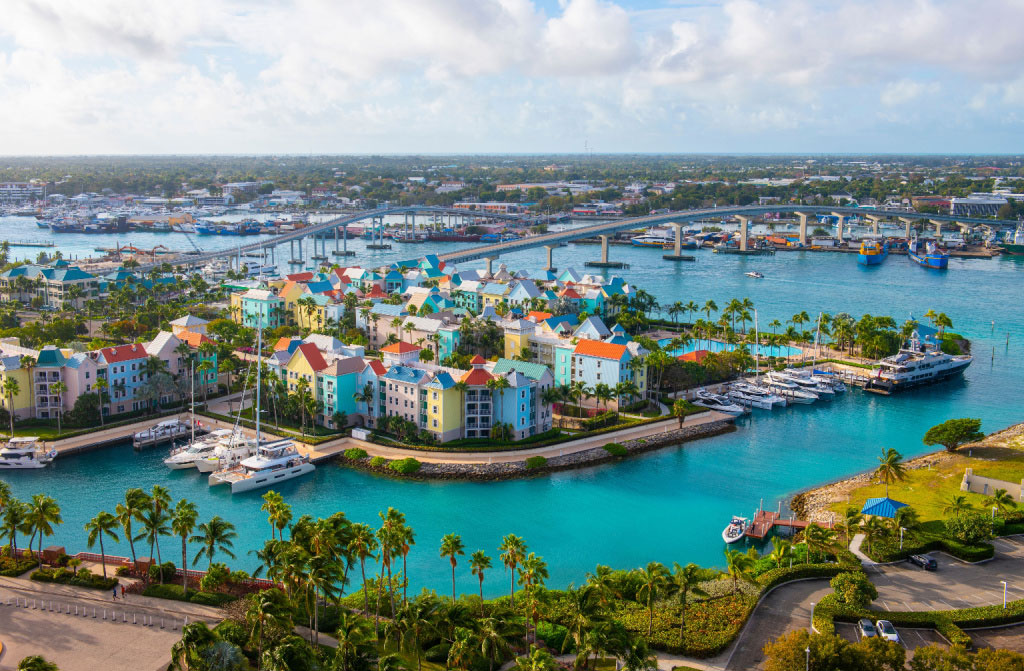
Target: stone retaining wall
(517, 469)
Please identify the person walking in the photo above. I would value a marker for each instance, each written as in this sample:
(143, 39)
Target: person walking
(122, 592)
(115, 592)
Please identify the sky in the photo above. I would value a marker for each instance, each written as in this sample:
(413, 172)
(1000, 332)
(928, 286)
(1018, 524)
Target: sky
(518, 76)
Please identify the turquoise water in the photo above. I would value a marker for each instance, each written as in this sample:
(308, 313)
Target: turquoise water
(669, 505)
(719, 346)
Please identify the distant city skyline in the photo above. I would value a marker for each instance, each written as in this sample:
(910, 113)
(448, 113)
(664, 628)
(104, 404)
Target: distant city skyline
(511, 76)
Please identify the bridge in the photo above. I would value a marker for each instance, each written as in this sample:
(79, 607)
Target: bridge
(603, 231)
(678, 220)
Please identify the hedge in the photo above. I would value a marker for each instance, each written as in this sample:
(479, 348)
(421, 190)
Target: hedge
(405, 466)
(12, 568)
(778, 576)
(536, 462)
(377, 462)
(82, 578)
(355, 453)
(889, 552)
(177, 593)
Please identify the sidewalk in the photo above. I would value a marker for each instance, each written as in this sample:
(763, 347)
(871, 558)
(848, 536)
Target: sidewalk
(855, 544)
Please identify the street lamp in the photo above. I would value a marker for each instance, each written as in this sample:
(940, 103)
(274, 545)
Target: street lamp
(807, 651)
(812, 617)
(902, 529)
(993, 512)
(1004, 593)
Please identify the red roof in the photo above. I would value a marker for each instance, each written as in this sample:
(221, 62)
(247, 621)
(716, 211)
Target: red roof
(377, 366)
(313, 356)
(192, 338)
(124, 353)
(600, 349)
(569, 292)
(377, 292)
(696, 355)
(478, 360)
(400, 347)
(299, 277)
(477, 377)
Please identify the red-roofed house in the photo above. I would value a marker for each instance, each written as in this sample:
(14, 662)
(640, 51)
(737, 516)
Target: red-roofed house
(305, 363)
(597, 362)
(536, 316)
(400, 353)
(125, 374)
(299, 277)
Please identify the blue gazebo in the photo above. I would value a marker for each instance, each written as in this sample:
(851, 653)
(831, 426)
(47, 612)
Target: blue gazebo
(882, 506)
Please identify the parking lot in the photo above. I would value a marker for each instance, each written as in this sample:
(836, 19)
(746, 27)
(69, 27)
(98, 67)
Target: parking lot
(955, 584)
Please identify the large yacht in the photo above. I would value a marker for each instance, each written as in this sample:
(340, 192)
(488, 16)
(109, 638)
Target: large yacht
(916, 365)
(273, 462)
(228, 451)
(24, 452)
(197, 450)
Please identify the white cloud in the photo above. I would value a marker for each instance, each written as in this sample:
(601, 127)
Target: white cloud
(905, 91)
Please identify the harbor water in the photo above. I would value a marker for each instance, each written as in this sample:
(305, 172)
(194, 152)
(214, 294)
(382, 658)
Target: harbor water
(669, 505)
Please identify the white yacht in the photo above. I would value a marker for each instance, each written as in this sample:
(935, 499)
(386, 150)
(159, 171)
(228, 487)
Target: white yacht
(788, 389)
(196, 450)
(163, 432)
(760, 391)
(273, 462)
(755, 397)
(711, 401)
(918, 364)
(822, 390)
(735, 531)
(24, 452)
(228, 451)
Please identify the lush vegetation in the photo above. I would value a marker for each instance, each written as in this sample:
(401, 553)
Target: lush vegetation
(79, 578)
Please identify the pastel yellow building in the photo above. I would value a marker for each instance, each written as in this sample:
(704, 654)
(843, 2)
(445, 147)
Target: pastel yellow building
(20, 405)
(444, 408)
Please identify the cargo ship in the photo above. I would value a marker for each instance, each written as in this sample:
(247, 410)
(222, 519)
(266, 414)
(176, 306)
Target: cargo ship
(872, 252)
(929, 257)
(1016, 247)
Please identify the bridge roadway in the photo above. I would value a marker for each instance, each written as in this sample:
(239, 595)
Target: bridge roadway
(551, 240)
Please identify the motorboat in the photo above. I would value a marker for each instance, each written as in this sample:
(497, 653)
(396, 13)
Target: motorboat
(706, 399)
(755, 274)
(25, 452)
(918, 363)
(788, 389)
(656, 241)
(748, 400)
(822, 389)
(196, 450)
(755, 396)
(274, 462)
(162, 432)
(228, 452)
(736, 530)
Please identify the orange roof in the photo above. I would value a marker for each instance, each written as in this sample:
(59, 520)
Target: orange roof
(299, 277)
(696, 355)
(377, 366)
(478, 359)
(599, 349)
(282, 343)
(400, 347)
(477, 377)
(313, 356)
(569, 293)
(539, 316)
(192, 338)
(376, 292)
(285, 288)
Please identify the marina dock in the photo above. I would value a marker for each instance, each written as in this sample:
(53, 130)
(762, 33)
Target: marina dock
(766, 520)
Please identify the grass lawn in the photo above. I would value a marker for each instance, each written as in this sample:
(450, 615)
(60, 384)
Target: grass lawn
(928, 490)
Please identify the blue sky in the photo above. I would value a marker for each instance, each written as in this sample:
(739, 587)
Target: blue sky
(350, 76)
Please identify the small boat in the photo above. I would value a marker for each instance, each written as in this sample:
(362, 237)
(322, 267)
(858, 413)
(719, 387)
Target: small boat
(24, 452)
(166, 431)
(755, 274)
(706, 399)
(930, 257)
(872, 252)
(822, 389)
(755, 396)
(273, 463)
(196, 450)
(228, 452)
(789, 389)
(656, 241)
(736, 530)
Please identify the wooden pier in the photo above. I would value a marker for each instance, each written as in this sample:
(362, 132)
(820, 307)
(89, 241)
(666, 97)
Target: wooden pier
(766, 520)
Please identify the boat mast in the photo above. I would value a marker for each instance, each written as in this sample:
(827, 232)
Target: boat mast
(259, 367)
(817, 344)
(757, 351)
(192, 421)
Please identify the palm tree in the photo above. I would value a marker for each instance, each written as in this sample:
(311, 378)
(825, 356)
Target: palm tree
(512, 552)
(43, 513)
(103, 524)
(183, 523)
(101, 389)
(452, 547)
(532, 573)
(480, 563)
(691, 307)
(15, 517)
(493, 636)
(874, 530)
(10, 389)
(582, 611)
(57, 389)
(265, 608)
(890, 468)
(652, 580)
(1000, 499)
(817, 538)
(366, 396)
(956, 505)
(737, 565)
(134, 501)
(355, 640)
(406, 539)
(36, 663)
(674, 311)
(603, 393)
(686, 581)
(363, 544)
(215, 535)
(781, 549)
(155, 519)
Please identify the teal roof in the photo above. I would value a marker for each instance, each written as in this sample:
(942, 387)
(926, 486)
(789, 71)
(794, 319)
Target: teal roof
(50, 357)
(534, 371)
(389, 309)
(442, 381)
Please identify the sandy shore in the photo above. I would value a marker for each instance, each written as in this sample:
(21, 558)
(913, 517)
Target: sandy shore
(815, 504)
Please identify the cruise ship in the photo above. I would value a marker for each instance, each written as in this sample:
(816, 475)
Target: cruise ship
(917, 365)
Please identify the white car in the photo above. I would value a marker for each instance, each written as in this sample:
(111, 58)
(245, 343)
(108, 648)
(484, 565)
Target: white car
(887, 631)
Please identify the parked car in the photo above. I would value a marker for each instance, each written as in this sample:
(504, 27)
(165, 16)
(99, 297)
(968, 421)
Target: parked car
(887, 631)
(924, 561)
(865, 629)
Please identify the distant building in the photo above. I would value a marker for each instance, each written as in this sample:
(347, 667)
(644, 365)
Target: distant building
(976, 205)
(18, 192)
(239, 187)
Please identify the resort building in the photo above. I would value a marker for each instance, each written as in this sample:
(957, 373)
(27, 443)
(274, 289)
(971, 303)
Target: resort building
(19, 404)
(52, 284)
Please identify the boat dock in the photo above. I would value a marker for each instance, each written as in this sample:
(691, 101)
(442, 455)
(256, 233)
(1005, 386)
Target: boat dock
(766, 520)
(30, 243)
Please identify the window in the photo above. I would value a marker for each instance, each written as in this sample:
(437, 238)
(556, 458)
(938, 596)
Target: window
(435, 423)
(435, 397)
(435, 409)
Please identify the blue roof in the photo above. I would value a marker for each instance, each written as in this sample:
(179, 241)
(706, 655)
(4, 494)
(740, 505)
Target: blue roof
(881, 507)
(319, 287)
(442, 381)
(405, 374)
(534, 371)
(389, 309)
(408, 263)
(494, 288)
(431, 261)
(570, 320)
(394, 275)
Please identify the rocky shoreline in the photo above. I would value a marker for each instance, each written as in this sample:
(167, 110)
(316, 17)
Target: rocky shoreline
(815, 504)
(518, 469)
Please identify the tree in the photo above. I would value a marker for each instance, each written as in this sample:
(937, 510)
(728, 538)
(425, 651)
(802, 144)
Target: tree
(363, 544)
(970, 527)
(512, 552)
(818, 538)
(36, 663)
(737, 566)
(215, 535)
(854, 588)
(195, 637)
(830, 651)
(956, 505)
(452, 547)
(686, 581)
(57, 389)
(355, 641)
(268, 608)
(183, 523)
(103, 524)
(480, 562)
(1002, 500)
(680, 408)
(134, 501)
(10, 389)
(653, 578)
(953, 433)
(43, 513)
(890, 468)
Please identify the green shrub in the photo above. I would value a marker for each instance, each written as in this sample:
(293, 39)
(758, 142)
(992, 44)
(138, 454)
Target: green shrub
(378, 462)
(854, 588)
(167, 569)
(598, 421)
(437, 654)
(233, 631)
(552, 634)
(210, 598)
(355, 453)
(615, 450)
(123, 570)
(12, 568)
(405, 466)
(536, 462)
(970, 527)
(84, 578)
(173, 592)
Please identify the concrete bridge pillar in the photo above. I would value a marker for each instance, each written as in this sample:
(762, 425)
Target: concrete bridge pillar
(874, 224)
(803, 228)
(938, 229)
(344, 239)
(550, 264)
(677, 248)
(604, 249)
(841, 219)
(490, 259)
(907, 223)
(744, 223)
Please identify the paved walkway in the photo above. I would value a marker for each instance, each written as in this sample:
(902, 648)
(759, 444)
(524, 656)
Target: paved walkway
(855, 544)
(505, 456)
